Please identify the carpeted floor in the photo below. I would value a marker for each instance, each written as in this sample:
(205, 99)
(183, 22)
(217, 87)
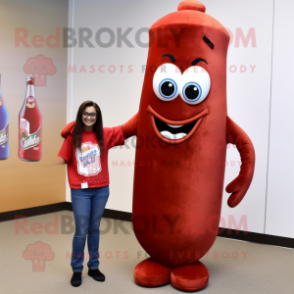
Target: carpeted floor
(234, 266)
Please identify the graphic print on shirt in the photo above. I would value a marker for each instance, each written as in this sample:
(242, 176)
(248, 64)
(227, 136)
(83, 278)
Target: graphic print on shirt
(88, 159)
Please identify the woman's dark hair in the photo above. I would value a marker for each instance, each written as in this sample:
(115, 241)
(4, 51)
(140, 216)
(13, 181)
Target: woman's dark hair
(97, 128)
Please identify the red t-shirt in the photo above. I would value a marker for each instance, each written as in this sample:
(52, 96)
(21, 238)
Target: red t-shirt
(87, 168)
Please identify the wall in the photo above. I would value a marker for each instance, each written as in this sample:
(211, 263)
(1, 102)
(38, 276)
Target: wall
(280, 200)
(259, 80)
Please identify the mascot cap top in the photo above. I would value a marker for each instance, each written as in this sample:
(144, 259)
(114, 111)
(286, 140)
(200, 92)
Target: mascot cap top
(192, 5)
(192, 14)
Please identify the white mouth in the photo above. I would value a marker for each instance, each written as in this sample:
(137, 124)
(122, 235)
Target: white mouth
(171, 136)
(174, 131)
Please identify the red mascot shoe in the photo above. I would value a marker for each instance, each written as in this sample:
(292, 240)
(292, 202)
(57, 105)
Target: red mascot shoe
(190, 277)
(149, 273)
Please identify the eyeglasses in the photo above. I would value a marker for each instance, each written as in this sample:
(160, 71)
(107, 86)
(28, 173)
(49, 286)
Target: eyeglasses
(86, 114)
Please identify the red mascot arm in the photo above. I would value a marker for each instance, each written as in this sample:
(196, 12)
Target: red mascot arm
(129, 128)
(68, 129)
(239, 186)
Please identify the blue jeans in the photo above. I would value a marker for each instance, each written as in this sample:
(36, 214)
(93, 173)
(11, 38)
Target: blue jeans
(88, 207)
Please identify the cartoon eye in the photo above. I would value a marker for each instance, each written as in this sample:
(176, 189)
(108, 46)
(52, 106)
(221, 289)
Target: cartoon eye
(195, 85)
(35, 67)
(42, 252)
(165, 82)
(44, 66)
(34, 252)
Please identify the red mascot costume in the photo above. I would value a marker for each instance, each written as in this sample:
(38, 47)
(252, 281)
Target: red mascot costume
(182, 130)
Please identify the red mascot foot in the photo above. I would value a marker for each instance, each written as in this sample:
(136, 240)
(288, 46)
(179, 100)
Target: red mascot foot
(149, 273)
(191, 277)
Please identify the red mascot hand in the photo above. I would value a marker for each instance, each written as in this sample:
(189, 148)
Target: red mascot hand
(239, 186)
(68, 129)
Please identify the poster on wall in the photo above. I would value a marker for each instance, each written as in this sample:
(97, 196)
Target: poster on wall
(4, 128)
(33, 67)
(30, 125)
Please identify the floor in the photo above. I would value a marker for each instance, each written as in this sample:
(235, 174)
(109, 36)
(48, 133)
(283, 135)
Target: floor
(234, 266)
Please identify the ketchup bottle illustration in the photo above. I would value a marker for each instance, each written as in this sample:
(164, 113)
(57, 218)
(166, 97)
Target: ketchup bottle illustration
(30, 126)
(4, 119)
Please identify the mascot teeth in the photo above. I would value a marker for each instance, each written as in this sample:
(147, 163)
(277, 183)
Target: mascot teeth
(171, 136)
(175, 126)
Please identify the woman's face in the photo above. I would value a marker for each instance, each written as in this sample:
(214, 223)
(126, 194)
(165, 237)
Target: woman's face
(89, 116)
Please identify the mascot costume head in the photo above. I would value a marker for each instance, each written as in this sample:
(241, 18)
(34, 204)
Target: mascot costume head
(182, 130)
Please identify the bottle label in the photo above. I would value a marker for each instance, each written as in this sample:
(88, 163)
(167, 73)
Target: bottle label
(30, 102)
(4, 135)
(28, 140)
(1, 102)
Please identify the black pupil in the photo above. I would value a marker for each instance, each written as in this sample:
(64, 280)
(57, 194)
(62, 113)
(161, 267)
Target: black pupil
(192, 92)
(167, 88)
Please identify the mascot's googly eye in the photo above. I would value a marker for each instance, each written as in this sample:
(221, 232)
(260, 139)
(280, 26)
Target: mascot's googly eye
(166, 82)
(195, 85)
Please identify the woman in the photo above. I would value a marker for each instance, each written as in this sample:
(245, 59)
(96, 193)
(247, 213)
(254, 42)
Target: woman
(85, 150)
